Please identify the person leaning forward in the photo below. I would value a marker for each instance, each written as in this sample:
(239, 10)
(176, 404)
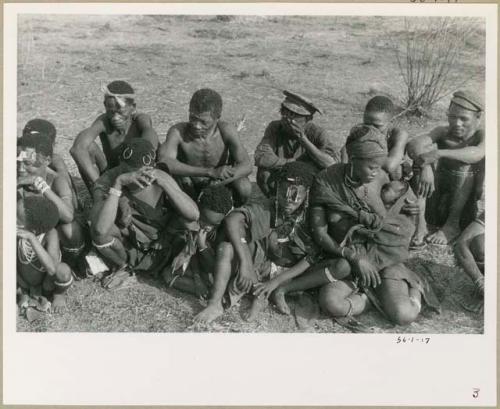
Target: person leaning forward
(450, 160)
(293, 137)
(119, 124)
(206, 150)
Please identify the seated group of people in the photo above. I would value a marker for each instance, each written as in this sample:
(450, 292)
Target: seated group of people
(338, 220)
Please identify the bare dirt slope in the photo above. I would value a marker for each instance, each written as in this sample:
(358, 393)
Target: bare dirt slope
(340, 62)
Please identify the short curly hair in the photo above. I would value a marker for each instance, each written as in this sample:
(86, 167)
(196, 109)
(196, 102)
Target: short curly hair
(120, 87)
(380, 104)
(41, 215)
(38, 126)
(41, 143)
(302, 172)
(206, 100)
(217, 198)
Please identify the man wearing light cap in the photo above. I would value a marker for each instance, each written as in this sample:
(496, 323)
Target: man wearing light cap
(449, 164)
(294, 137)
(118, 125)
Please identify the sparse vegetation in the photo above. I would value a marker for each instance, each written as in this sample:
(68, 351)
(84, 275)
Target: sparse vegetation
(428, 54)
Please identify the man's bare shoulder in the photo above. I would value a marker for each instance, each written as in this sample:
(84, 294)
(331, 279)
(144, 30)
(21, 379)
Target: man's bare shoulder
(143, 119)
(178, 131)
(61, 185)
(100, 125)
(439, 131)
(101, 119)
(227, 131)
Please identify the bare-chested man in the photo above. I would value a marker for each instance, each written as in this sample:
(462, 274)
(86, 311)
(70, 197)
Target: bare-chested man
(453, 157)
(206, 150)
(119, 124)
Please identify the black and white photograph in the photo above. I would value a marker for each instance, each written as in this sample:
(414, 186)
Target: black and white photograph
(237, 172)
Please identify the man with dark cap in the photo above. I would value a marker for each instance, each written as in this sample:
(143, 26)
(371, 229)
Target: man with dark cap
(450, 160)
(118, 125)
(148, 238)
(293, 137)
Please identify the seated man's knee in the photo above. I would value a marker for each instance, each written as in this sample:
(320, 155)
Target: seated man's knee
(339, 268)
(403, 312)
(100, 238)
(333, 301)
(63, 273)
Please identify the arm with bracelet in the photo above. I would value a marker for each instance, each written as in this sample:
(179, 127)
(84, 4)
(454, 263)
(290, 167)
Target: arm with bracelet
(65, 207)
(107, 214)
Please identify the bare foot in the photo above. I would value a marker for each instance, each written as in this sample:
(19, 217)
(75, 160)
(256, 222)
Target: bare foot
(23, 302)
(258, 305)
(278, 297)
(58, 303)
(418, 239)
(444, 235)
(42, 304)
(210, 313)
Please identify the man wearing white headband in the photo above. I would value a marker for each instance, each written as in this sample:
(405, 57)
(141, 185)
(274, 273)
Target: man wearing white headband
(119, 124)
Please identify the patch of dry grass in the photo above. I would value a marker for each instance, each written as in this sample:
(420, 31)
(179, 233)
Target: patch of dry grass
(338, 62)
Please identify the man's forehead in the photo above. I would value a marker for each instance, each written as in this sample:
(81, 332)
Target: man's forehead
(377, 115)
(200, 115)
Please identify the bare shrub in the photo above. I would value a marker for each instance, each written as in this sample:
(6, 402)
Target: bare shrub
(428, 52)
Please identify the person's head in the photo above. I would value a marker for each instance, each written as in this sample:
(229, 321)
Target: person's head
(39, 126)
(205, 109)
(296, 108)
(214, 202)
(392, 191)
(137, 153)
(293, 182)
(367, 151)
(34, 154)
(119, 101)
(379, 112)
(37, 214)
(464, 114)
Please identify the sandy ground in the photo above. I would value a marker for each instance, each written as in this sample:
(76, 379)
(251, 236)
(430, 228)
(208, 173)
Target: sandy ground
(339, 62)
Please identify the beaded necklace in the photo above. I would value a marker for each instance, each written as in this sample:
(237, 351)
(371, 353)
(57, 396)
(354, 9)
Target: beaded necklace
(26, 253)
